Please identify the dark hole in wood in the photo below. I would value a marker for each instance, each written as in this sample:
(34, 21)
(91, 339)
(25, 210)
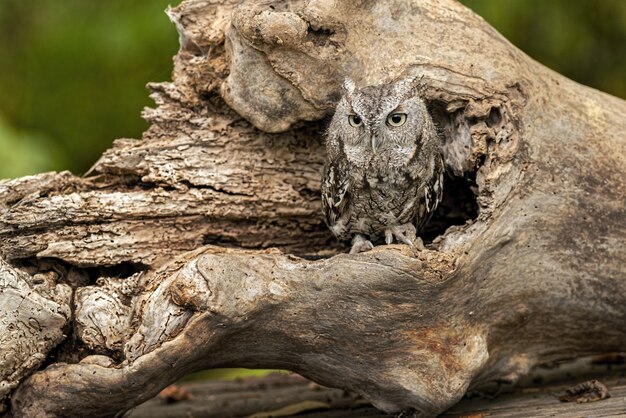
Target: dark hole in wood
(457, 207)
(494, 118)
(459, 204)
(220, 240)
(121, 270)
(319, 37)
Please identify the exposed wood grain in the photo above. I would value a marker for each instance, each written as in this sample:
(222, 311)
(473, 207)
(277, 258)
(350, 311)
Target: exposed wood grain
(537, 276)
(244, 398)
(544, 403)
(157, 198)
(264, 396)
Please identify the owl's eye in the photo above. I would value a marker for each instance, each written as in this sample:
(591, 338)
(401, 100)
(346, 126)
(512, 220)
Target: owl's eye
(354, 120)
(396, 119)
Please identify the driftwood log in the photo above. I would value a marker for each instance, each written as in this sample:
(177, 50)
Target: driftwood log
(202, 245)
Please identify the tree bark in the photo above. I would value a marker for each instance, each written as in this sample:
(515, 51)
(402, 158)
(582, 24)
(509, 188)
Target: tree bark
(202, 244)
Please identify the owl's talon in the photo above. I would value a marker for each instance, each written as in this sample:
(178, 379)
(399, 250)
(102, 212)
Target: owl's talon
(360, 244)
(388, 236)
(405, 234)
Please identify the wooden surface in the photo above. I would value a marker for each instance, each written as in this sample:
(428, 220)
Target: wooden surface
(537, 276)
(282, 395)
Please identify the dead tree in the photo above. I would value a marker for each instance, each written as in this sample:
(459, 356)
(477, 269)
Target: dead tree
(202, 245)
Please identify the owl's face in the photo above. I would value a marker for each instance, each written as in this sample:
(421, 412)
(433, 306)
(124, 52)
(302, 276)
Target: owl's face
(386, 120)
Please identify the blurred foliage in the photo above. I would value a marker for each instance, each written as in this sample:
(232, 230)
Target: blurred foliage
(24, 152)
(584, 40)
(72, 75)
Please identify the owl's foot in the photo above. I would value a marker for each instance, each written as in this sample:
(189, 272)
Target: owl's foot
(360, 244)
(406, 234)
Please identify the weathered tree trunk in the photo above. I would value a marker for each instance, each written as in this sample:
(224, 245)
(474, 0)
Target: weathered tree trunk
(131, 261)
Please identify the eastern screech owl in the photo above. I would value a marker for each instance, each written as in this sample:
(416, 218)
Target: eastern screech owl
(384, 172)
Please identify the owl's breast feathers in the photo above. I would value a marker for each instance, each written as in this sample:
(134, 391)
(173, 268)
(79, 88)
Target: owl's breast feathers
(369, 201)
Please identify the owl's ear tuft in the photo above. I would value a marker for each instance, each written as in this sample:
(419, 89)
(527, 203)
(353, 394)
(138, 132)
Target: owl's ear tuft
(409, 86)
(349, 87)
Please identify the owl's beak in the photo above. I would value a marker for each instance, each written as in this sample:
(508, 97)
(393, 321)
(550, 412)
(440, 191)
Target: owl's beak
(375, 143)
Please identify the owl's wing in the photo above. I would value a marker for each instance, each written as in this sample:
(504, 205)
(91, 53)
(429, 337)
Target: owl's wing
(335, 195)
(434, 189)
(432, 194)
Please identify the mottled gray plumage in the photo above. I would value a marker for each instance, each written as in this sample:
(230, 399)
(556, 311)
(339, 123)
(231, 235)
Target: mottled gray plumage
(384, 173)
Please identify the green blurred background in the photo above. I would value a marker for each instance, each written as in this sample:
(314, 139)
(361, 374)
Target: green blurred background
(72, 73)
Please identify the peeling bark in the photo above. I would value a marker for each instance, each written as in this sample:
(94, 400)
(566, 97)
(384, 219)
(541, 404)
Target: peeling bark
(34, 312)
(535, 276)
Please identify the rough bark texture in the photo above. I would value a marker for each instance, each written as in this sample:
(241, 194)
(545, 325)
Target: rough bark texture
(538, 275)
(34, 312)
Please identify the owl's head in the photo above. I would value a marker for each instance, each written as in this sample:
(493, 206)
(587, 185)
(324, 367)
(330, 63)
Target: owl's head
(382, 118)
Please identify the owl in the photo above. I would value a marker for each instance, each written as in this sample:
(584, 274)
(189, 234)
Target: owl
(383, 176)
